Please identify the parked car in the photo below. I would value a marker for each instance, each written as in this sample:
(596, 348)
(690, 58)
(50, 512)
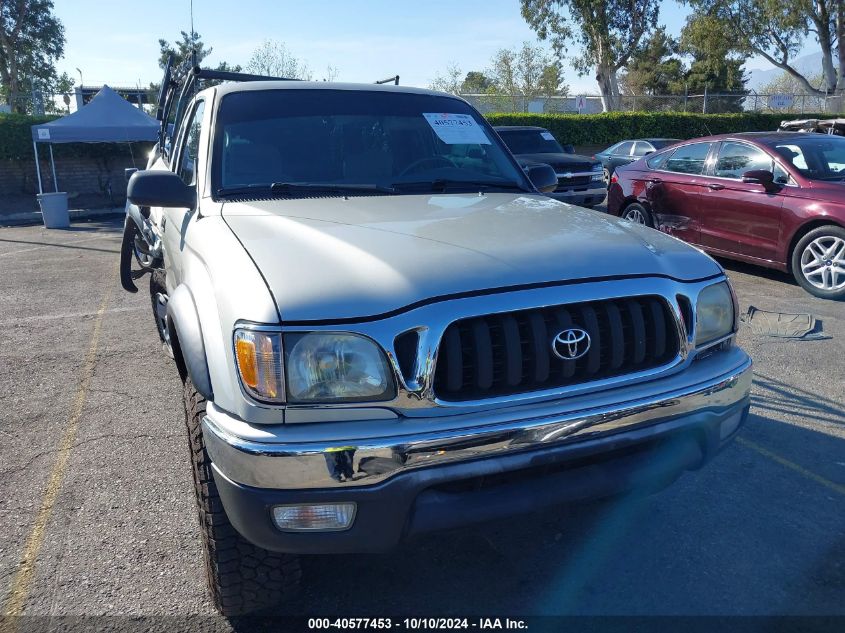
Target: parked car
(819, 126)
(579, 177)
(625, 152)
(384, 329)
(776, 199)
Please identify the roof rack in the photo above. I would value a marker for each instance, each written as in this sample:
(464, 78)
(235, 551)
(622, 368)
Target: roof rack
(178, 88)
(180, 84)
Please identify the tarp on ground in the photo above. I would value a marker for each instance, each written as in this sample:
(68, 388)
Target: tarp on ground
(107, 118)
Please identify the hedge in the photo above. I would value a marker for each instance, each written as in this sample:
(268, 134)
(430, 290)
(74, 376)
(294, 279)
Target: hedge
(576, 129)
(611, 127)
(16, 142)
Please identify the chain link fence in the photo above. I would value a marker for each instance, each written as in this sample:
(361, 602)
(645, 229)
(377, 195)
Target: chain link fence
(710, 103)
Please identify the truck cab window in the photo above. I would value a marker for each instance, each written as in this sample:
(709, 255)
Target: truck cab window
(188, 159)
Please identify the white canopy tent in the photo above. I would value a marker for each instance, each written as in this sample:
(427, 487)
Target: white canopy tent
(107, 118)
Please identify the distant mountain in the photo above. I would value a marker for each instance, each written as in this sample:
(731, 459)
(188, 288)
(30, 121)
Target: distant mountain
(807, 65)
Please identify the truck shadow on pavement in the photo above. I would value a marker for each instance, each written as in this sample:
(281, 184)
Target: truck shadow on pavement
(773, 396)
(764, 530)
(57, 245)
(732, 265)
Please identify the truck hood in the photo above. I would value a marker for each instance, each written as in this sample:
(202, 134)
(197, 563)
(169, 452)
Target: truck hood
(335, 258)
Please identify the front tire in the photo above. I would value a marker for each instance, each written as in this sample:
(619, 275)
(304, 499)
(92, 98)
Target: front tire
(637, 214)
(818, 262)
(242, 578)
(158, 299)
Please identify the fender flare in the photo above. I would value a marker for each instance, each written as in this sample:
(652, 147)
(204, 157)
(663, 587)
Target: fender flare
(189, 348)
(126, 244)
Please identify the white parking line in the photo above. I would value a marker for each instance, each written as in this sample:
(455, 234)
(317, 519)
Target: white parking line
(68, 315)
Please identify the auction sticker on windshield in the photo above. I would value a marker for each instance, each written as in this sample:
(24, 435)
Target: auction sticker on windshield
(456, 129)
(547, 135)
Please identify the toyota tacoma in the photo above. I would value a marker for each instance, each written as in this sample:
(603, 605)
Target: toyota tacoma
(384, 328)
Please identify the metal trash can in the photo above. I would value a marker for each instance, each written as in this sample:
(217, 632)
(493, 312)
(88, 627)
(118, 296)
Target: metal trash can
(54, 210)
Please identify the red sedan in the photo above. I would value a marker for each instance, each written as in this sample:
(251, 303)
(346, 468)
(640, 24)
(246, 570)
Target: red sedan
(776, 199)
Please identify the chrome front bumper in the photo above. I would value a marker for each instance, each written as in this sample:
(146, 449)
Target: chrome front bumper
(284, 459)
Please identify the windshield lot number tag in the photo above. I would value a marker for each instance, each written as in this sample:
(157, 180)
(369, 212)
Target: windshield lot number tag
(456, 129)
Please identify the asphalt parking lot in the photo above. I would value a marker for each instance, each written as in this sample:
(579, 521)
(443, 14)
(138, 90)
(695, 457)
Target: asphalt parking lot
(97, 515)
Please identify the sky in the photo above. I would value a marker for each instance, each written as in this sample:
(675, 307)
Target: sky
(116, 42)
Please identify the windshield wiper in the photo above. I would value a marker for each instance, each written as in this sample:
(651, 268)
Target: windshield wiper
(290, 188)
(245, 190)
(441, 184)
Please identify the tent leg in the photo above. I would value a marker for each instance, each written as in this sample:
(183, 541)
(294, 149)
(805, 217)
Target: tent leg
(53, 166)
(37, 167)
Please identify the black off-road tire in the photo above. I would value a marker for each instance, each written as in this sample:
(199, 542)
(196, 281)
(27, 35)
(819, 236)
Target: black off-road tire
(638, 214)
(158, 288)
(827, 234)
(242, 578)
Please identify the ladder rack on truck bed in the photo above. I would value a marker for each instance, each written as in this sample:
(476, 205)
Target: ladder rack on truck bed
(180, 84)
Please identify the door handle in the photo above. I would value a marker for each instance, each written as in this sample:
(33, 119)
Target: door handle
(715, 187)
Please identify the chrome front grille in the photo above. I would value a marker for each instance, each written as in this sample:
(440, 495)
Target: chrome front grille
(508, 353)
(575, 181)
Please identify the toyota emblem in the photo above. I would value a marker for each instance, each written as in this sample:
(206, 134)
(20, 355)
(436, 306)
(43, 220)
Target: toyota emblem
(571, 344)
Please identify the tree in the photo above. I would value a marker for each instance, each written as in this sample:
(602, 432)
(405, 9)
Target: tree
(607, 32)
(777, 31)
(654, 68)
(787, 84)
(32, 39)
(274, 59)
(519, 73)
(448, 82)
(713, 68)
(476, 82)
(551, 81)
(181, 50)
(331, 73)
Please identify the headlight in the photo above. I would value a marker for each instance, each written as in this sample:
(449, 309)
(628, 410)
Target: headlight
(714, 317)
(259, 358)
(335, 367)
(596, 167)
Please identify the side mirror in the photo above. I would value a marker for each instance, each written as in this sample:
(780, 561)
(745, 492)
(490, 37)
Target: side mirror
(760, 177)
(648, 151)
(542, 176)
(568, 149)
(154, 188)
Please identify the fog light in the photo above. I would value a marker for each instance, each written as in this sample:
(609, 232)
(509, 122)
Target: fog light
(730, 425)
(316, 517)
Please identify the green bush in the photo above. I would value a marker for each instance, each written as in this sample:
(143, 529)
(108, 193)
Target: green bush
(578, 129)
(16, 143)
(611, 127)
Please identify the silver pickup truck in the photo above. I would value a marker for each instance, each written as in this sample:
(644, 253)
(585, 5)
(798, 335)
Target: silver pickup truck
(384, 329)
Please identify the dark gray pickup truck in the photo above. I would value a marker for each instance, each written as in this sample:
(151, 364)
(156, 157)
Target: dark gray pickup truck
(579, 178)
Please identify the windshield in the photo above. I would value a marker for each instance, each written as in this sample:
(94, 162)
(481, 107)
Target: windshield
(815, 156)
(298, 141)
(531, 142)
(660, 143)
